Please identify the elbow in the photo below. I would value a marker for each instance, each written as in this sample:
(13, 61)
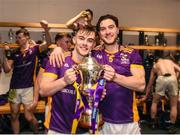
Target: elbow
(142, 85)
(142, 88)
(42, 91)
(7, 70)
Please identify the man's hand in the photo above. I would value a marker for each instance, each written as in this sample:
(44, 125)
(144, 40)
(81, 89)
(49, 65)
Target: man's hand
(70, 76)
(44, 24)
(83, 13)
(144, 98)
(6, 47)
(109, 73)
(57, 57)
(33, 106)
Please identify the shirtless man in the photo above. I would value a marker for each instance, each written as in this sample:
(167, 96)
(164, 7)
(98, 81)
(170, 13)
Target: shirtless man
(166, 71)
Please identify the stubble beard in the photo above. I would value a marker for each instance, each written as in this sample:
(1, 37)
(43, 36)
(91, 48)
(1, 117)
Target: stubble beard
(112, 43)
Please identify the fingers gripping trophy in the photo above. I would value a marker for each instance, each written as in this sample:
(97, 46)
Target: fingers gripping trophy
(91, 88)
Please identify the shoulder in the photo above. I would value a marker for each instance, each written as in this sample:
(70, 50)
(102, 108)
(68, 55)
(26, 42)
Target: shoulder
(67, 54)
(33, 47)
(98, 48)
(127, 49)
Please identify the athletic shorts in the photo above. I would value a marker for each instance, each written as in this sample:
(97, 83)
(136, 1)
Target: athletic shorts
(24, 95)
(166, 83)
(127, 128)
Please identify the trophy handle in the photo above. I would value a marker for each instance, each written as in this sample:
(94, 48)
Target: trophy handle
(101, 71)
(77, 70)
(81, 84)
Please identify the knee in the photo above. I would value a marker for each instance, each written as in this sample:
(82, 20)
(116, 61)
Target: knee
(14, 116)
(29, 117)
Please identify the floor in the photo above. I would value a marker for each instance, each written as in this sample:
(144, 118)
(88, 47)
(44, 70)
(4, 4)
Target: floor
(144, 123)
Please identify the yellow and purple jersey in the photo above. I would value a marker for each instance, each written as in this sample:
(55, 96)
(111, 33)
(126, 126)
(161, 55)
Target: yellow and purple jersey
(63, 103)
(24, 71)
(119, 104)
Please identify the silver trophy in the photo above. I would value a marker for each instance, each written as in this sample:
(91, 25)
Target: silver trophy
(90, 71)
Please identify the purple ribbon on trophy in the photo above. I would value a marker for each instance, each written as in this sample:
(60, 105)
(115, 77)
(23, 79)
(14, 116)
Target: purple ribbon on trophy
(97, 98)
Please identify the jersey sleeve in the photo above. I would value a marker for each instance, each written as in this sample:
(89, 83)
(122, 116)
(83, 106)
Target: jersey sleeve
(51, 71)
(135, 59)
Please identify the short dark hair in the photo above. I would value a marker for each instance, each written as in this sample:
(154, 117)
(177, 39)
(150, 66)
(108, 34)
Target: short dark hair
(24, 31)
(108, 16)
(61, 35)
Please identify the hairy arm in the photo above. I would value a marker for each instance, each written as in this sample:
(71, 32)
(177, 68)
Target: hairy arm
(44, 25)
(135, 82)
(151, 81)
(70, 23)
(36, 91)
(44, 46)
(7, 65)
(49, 85)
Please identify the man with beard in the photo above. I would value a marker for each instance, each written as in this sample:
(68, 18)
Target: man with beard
(125, 75)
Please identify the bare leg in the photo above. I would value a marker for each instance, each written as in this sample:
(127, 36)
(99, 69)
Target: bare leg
(156, 99)
(173, 112)
(179, 106)
(31, 118)
(15, 117)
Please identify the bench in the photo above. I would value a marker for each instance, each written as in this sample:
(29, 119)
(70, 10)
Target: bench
(5, 109)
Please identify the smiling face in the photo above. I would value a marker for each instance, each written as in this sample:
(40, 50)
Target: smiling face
(84, 41)
(108, 31)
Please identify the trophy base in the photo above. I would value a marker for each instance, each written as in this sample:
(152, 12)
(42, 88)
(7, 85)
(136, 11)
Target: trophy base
(85, 121)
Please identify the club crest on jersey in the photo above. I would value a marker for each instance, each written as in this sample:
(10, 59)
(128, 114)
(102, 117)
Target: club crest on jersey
(30, 51)
(124, 58)
(66, 65)
(99, 56)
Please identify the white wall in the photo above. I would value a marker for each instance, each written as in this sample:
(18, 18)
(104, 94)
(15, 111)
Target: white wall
(142, 13)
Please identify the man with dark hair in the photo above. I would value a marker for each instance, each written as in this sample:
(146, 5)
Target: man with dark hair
(22, 91)
(124, 73)
(63, 40)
